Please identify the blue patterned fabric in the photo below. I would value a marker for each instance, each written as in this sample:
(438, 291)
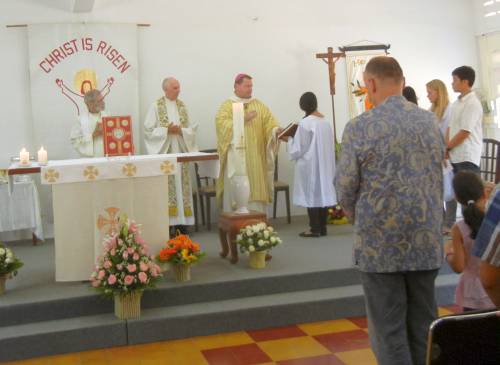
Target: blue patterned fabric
(487, 245)
(390, 179)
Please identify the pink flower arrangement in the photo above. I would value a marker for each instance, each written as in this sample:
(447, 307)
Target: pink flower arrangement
(125, 265)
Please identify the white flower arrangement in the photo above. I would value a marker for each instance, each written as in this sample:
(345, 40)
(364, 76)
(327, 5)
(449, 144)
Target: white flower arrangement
(9, 263)
(257, 237)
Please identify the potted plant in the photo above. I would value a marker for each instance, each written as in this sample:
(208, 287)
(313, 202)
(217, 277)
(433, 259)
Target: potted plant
(125, 269)
(9, 264)
(181, 252)
(336, 215)
(257, 240)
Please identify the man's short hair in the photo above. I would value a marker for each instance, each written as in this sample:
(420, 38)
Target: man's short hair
(384, 67)
(165, 81)
(465, 73)
(91, 96)
(241, 77)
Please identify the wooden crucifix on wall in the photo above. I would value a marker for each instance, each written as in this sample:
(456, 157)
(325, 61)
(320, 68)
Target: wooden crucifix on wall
(330, 58)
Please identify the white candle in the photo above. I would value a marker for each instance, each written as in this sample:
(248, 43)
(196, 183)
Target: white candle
(238, 123)
(24, 157)
(42, 156)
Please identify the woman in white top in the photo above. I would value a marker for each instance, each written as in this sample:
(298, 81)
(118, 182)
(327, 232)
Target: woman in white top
(440, 103)
(441, 106)
(312, 149)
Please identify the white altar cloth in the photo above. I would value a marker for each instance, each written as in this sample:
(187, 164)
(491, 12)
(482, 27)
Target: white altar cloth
(90, 194)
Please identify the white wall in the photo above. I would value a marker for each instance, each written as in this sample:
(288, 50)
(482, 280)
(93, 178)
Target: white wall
(205, 43)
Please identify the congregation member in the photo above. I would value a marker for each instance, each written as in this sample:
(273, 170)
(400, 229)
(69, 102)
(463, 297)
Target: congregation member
(441, 107)
(470, 192)
(410, 94)
(390, 183)
(487, 248)
(312, 150)
(247, 145)
(167, 129)
(464, 138)
(86, 135)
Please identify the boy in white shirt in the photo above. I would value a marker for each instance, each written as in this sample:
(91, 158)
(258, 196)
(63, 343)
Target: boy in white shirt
(464, 137)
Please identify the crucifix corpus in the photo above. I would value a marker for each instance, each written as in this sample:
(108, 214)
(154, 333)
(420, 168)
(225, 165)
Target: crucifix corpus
(331, 58)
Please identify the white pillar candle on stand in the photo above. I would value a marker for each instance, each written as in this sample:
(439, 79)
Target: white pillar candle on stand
(238, 124)
(42, 156)
(24, 157)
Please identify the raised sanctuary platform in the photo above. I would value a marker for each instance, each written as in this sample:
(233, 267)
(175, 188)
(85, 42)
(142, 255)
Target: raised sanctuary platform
(308, 279)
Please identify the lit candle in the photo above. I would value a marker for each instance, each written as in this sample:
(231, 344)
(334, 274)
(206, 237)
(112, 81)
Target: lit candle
(42, 156)
(24, 157)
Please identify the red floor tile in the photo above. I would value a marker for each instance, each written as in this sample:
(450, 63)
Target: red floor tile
(276, 333)
(316, 360)
(344, 341)
(361, 322)
(236, 355)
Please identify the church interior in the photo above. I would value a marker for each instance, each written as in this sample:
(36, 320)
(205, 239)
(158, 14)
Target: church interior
(306, 306)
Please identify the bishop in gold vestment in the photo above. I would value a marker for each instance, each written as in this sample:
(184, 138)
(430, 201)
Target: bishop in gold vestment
(259, 141)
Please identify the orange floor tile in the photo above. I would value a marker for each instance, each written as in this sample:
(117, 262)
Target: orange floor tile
(337, 342)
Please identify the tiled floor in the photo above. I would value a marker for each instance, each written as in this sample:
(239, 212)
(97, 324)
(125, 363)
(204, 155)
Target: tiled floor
(338, 342)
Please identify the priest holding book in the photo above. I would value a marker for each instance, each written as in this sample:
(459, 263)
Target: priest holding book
(310, 145)
(86, 135)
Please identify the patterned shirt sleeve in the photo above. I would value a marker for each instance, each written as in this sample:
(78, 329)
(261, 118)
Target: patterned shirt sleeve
(487, 244)
(347, 176)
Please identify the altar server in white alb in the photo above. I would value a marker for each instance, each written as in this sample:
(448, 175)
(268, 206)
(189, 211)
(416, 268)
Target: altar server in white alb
(86, 135)
(312, 149)
(167, 130)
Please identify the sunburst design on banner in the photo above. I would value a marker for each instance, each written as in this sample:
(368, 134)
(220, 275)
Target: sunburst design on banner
(51, 175)
(167, 167)
(110, 220)
(85, 80)
(129, 169)
(90, 172)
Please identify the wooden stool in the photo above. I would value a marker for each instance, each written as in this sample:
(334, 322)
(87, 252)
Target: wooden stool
(230, 225)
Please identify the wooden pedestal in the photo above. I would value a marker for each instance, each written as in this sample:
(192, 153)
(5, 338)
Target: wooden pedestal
(230, 225)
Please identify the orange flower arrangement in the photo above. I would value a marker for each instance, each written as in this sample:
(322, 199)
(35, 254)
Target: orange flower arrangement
(180, 250)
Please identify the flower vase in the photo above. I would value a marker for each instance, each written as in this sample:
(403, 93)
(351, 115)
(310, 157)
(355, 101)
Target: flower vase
(128, 306)
(182, 272)
(258, 259)
(3, 279)
(240, 191)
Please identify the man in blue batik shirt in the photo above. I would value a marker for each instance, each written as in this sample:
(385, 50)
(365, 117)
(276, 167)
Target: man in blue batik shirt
(390, 183)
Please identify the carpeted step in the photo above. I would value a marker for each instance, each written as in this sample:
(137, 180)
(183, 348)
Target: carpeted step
(62, 336)
(193, 319)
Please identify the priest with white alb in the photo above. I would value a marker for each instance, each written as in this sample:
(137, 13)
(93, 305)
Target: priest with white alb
(167, 130)
(86, 135)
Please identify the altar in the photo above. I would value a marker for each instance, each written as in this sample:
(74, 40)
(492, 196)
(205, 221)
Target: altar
(90, 194)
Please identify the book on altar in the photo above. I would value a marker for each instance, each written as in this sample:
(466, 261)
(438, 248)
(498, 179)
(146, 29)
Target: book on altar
(289, 130)
(117, 135)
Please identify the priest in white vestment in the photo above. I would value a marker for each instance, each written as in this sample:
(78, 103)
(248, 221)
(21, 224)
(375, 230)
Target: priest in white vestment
(167, 130)
(312, 150)
(86, 135)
